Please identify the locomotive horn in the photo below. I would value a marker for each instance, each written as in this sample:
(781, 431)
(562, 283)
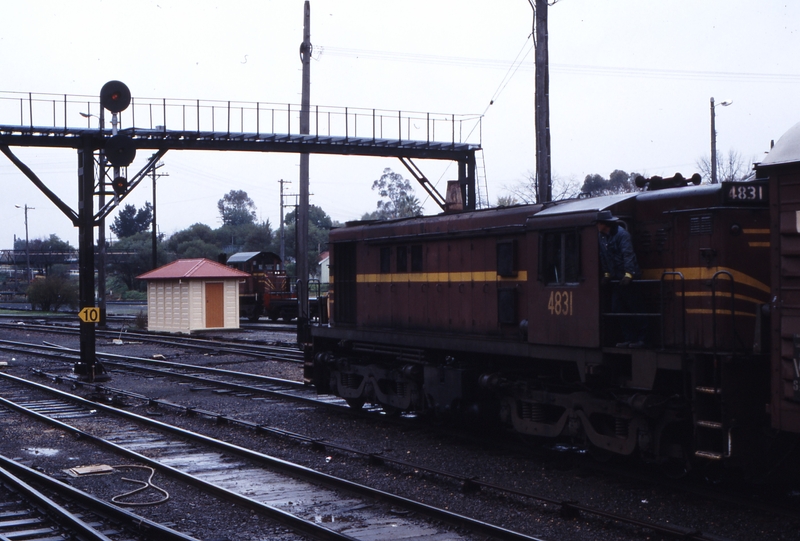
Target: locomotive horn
(659, 183)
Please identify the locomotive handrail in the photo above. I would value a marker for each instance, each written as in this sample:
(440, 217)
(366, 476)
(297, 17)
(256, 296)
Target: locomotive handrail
(714, 309)
(683, 307)
(718, 366)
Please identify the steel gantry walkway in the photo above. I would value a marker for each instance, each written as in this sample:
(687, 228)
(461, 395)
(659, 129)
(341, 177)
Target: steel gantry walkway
(78, 122)
(67, 121)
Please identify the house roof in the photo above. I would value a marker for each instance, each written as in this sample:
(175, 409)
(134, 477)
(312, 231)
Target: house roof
(192, 268)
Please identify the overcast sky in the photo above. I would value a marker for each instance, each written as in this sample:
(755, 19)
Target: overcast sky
(630, 82)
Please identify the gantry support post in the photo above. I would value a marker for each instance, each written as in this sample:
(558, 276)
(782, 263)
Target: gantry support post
(467, 181)
(87, 369)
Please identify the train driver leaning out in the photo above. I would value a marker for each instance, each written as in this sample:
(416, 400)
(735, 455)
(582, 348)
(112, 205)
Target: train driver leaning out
(618, 263)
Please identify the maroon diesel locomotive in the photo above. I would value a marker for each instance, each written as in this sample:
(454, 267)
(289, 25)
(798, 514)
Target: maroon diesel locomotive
(502, 313)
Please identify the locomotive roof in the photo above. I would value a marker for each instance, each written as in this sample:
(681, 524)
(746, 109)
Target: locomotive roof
(786, 150)
(243, 257)
(585, 204)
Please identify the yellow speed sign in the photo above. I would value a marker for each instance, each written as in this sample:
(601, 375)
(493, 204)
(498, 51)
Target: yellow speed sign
(90, 314)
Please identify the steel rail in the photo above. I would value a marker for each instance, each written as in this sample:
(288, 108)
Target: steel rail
(55, 350)
(282, 353)
(53, 511)
(567, 507)
(298, 523)
(19, 476)
(69, 354)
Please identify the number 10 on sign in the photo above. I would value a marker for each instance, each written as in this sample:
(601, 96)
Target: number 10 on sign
(90, 314)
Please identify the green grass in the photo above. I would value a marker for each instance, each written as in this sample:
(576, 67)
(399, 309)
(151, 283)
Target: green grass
(29, 313)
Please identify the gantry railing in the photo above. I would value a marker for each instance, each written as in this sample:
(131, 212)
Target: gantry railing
(74, 112)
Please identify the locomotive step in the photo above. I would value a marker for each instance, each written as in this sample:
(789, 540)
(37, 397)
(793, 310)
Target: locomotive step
(709, 424)
(708, 390)
(708, 454)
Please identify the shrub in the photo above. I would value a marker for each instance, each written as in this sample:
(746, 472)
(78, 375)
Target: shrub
(141, 321)
(52, 293)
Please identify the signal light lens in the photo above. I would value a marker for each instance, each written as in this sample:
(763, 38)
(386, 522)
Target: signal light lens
(115, 96)
(120, 150)
(120, 185)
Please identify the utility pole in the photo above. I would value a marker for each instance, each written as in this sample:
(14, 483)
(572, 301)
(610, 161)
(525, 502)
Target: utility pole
(283, 238)
(542, 102)
(27, 246)
(154, 248)
(714, 137)
(302, 211)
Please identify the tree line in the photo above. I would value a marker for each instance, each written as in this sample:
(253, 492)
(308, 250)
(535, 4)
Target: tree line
(731, 167)
(131, 252)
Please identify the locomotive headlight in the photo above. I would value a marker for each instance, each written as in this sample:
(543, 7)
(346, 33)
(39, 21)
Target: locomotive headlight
(736, 230)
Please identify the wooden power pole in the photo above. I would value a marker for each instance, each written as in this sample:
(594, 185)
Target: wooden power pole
(301, 253)
(542, 102)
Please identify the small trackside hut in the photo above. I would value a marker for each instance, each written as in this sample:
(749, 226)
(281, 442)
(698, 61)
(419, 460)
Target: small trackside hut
(190, 295)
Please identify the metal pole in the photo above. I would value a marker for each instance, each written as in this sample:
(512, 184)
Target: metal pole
(713, 145)
(101, 228)
(27, 247)
(155, 234)
(283, 238)
(87, 368)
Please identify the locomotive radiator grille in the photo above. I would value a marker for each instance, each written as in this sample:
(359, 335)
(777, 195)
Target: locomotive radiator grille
(350, 381)
(532, 411)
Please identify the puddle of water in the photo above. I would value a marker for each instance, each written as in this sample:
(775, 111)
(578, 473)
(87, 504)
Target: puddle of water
(41, 451)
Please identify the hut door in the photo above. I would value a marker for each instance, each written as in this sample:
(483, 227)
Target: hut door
(215, 314)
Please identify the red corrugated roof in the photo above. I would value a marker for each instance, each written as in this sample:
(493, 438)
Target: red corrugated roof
(192, 268)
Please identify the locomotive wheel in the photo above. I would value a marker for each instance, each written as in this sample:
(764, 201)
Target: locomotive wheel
(355, 403)
(390, 411)
(674, 469)
(600, 455)
(254, 315)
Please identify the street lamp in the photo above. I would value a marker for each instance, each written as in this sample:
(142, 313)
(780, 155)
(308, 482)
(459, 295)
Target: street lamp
(27, 250)
(714, 139)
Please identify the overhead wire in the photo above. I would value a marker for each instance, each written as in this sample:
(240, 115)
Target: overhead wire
(607, 71)
(510, 72)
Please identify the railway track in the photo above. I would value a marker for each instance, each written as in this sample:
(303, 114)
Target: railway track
(287, 493)
(568, 508)
(203, 377)
(275, 351)
(37, 507)
(467, 484)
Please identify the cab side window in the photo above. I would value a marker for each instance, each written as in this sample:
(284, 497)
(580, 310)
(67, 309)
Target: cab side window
(402, 259)
(416, 258)
(559, 257)
(386, 260)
